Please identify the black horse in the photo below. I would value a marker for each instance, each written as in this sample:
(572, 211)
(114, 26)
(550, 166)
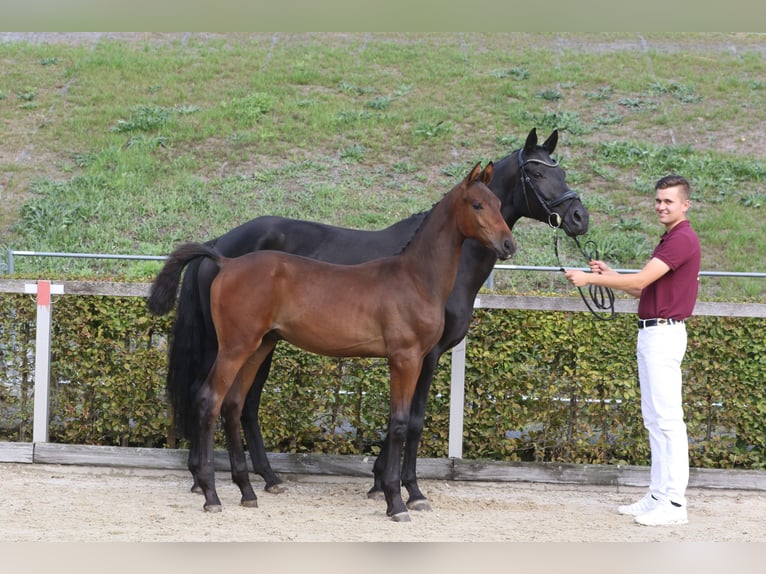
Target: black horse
(528, 182)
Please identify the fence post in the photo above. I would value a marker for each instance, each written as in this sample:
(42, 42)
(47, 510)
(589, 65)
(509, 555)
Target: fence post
(42, 356)
(457, 401)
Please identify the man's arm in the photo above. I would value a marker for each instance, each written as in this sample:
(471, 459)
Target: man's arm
(631, 283)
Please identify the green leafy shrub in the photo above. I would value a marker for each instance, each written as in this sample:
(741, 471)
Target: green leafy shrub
(540, 386)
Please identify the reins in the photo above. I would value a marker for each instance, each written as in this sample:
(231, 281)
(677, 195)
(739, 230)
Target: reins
(601, 298)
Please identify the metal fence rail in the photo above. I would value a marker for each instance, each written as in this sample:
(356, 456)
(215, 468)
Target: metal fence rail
(755, 274)
(12, 254)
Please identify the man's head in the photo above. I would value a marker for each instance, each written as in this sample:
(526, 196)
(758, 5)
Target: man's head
(672, 199)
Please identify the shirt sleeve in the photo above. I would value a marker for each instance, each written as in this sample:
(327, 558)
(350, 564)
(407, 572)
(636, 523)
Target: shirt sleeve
(675, 250)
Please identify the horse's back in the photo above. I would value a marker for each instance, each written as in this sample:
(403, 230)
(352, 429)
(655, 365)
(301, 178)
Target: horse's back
(316, 240)
(277, 275)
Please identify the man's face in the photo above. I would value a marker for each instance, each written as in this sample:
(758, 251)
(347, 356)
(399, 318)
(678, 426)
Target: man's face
(670, 206)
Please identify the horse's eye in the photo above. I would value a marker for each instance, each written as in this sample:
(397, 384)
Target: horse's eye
(477, 205)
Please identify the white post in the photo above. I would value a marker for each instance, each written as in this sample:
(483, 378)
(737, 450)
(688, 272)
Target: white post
(457, 401)
(42, 356)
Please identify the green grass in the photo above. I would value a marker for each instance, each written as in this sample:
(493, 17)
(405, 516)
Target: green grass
(134, 147)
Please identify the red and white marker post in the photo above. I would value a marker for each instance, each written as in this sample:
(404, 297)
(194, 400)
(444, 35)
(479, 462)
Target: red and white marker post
(44, 290)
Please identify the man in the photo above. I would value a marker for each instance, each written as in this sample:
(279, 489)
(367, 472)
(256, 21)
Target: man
(667, 290)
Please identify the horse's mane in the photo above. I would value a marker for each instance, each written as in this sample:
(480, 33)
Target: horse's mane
(423, 215)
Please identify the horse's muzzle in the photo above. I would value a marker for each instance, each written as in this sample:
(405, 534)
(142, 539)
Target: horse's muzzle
(506, 249)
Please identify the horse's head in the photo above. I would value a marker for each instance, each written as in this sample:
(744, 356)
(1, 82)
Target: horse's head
(547, 196)
(479, 216)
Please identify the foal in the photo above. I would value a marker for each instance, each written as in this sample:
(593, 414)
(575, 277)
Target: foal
(391, 307)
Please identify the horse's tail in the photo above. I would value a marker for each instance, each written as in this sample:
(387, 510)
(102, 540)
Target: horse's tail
(193, 344)
(162, 294)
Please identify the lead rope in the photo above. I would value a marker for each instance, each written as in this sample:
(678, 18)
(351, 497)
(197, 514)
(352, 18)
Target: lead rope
(601, 297)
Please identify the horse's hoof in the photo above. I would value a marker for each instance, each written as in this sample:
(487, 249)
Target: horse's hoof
(275, 488)
(421, 504)
(196, 489)
(401, 517)
(212, 508)
(251, 503)
(376, 495)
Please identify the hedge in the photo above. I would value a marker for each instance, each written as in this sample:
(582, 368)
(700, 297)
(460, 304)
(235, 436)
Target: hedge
(540, 386)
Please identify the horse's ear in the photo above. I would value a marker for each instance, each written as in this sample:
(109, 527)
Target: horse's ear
(550, 144)
(487, 173)
(474, 175)
(531, 142)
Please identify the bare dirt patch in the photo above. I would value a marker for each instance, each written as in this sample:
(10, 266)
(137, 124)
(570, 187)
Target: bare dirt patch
(89, 504)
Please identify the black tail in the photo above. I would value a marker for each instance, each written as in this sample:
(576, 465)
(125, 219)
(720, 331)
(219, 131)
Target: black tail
(162, 294)
(193, 344)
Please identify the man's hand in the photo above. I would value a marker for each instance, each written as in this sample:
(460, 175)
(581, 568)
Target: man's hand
(576, 277)
(599, 267)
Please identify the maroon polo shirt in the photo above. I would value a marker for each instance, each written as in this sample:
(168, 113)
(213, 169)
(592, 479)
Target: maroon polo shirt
(674, 294)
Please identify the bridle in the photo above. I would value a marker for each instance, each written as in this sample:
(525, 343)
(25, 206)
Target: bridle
(601, 297)
(554, 219)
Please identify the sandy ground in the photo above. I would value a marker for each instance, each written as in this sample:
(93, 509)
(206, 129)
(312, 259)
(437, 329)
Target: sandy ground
(87, 504)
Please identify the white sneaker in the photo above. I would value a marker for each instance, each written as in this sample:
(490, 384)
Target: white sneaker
(664, 514)
(647, 503)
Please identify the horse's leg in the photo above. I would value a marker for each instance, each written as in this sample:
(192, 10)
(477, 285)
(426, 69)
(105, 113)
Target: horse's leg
(208, 407)
(378, 469)
(196, 309)
(252, 428)
(232, 413)
(209, 400)
(193, 432)
(404, 373)
(417, 500)
(193, 462)
(237, 461)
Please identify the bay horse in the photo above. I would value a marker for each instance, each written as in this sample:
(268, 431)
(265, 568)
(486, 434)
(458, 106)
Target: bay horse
(529, 183)
(391, 307)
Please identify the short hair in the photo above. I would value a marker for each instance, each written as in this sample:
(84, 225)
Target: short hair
(674, 181)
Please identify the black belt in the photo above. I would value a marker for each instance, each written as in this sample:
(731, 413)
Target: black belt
(654, 322)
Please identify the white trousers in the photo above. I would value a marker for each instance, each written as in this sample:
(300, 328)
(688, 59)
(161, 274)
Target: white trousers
(659, 351)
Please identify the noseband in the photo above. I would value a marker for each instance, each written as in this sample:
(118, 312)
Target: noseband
(601, 297)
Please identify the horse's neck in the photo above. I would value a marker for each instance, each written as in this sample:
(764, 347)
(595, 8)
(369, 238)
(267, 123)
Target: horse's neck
(406, 226)
(505, 185)
(435, 249)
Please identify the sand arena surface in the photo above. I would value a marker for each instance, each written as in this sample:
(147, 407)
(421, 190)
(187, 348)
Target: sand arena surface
(42, 502)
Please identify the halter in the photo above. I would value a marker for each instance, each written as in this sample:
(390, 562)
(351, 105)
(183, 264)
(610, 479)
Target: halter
(601, 297)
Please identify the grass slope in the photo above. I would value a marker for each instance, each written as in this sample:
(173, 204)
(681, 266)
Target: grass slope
(133, 144)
